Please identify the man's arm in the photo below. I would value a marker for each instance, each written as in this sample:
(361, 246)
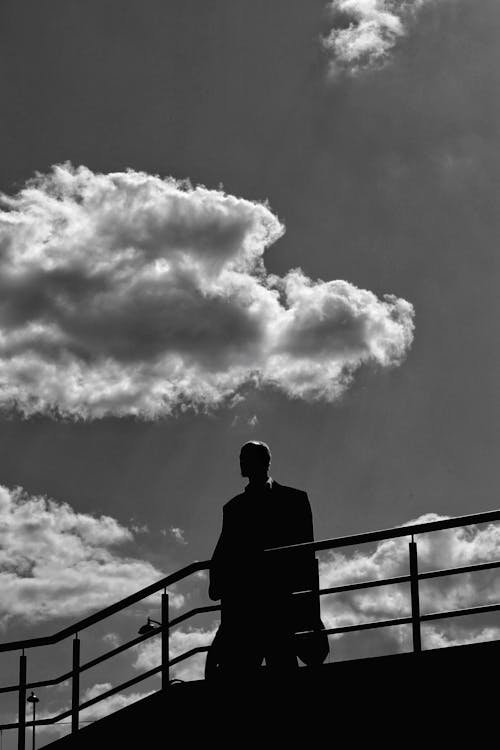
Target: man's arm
(305, 531)
(217, 564)
(302, 566)
(305, 566)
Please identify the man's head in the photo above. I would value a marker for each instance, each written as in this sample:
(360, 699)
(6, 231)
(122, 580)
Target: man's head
(255, 458)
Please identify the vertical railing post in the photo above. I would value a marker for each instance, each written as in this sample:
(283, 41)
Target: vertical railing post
(75, 685)
(415, 600)
(34, 725)
(21, 736)
(165, 651)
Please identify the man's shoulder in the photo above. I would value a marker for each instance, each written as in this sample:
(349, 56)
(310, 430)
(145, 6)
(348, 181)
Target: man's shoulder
(284, 489)
(290, 492)
(233, 502)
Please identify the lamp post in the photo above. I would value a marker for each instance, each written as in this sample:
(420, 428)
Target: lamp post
(34, 700)
(163, 627)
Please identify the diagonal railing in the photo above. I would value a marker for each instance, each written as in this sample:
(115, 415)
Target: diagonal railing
(167, 624)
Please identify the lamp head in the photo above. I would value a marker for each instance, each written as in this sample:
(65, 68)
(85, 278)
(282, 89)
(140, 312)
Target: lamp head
(148, 627)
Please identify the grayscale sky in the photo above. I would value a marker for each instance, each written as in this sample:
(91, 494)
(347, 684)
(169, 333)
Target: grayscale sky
(346, 151)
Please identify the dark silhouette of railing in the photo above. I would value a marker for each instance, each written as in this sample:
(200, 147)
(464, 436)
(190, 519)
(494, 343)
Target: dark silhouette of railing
(164, 628)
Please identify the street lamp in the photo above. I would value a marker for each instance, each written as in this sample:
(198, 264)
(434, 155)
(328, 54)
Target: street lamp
(148, 627)
(34, 700)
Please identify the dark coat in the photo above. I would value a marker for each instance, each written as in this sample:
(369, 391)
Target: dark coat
(246, 579)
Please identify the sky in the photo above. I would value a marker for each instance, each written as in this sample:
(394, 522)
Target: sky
(233, 220)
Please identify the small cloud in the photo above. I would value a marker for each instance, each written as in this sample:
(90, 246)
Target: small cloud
(178, 534)
(253, 421)
(113, 639)
(365, 32)
(139, 529)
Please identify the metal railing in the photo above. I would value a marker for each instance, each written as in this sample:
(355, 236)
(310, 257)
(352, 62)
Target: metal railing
(167, 624)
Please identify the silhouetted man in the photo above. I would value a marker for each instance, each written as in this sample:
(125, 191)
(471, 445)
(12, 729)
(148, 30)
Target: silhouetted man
(259, 614)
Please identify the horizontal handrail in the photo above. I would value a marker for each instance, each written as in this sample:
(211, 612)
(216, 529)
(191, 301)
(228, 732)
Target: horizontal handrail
(369, 625)
(481, 610)
(192, 612)
(187, 654)
(462, 569)
(398, 531)
(408, 620)
(365, 585)
(406, 579)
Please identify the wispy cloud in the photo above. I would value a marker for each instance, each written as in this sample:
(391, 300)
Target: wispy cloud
(108, 705)
(365, 32)
(178, 534)
(113, 639)
(55, 562)
(126, 294)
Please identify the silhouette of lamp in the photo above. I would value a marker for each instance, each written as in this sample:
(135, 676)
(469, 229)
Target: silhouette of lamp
(148, 627)
(34, 700)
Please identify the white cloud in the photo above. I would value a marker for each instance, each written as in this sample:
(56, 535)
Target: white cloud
(366, 31)
(55, 562)
(443, 637)
(436, 550)
(126, 294)
(178, 534)
(139, 528)
(107, 705)
(113, 639)
(148, 654)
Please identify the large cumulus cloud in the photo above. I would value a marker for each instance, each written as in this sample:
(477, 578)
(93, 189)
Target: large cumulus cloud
(126, 294)
(55, 562)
